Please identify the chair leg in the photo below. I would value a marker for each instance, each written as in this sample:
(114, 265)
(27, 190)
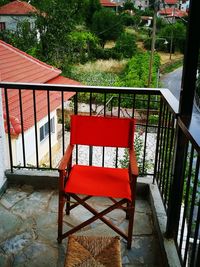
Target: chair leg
(130, 226)
(60, 217)
(127, 210)
(67, 207)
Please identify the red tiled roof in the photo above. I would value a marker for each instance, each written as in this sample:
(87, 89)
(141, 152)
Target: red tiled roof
(174, 12)
(17, 66)
(171, 2)
(108, 3)
(17, 8)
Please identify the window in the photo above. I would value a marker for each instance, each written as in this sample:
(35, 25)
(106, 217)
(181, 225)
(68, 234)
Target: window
(44, 130)
(2, 26)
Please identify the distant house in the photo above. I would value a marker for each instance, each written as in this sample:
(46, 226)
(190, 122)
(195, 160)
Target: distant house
(17, 66)
(171, 3)
(109, 4)
(141, 4)
(184, 5)
(171, 14)
(14, 12)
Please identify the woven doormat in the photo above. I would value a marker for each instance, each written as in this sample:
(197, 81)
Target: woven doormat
(90, 251)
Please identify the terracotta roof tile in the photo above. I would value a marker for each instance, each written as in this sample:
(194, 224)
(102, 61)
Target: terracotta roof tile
(17, 66)
(108, 3)
(171, 2)
(172, 12)
(17, 8)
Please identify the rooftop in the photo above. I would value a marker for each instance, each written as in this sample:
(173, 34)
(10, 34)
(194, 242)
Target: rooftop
(17, 8)
(18, 66)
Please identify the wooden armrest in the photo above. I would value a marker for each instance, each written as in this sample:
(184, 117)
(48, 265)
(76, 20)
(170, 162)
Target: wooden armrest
(133, 162)
(66, 158)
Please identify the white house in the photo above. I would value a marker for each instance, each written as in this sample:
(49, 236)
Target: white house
(184, 5)
(141, 4)
(17, 66)
(14, 12)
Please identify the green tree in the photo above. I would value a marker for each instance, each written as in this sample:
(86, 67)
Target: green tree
(56, 20)
(4, 2)
(91, 7)
(106, 25)
(81, 45)
(128, 5)
(25, 38)
(126, 45)
(176, 31)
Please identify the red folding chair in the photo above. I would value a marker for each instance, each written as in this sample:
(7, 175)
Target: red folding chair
(76, 180)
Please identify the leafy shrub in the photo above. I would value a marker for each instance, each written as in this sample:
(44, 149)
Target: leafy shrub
(160, 44)
(106, 25)
(137, 71)
(106, 53)
(126, 45)
(81, 44)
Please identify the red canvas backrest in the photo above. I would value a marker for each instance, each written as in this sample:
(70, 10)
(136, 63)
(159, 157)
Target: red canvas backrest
(102, 131)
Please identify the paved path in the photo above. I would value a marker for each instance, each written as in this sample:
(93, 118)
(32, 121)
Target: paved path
(172, 81)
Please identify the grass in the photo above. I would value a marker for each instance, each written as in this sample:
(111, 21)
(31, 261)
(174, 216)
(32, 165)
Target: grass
(109, 66)
(171, 66)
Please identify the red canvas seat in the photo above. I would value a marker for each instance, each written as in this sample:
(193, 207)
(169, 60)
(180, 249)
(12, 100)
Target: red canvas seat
(91, 180)
(115, 183)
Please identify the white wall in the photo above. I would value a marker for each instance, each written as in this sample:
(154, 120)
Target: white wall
(30, 147)
(11, 21)
(141, 3)
(3, 152)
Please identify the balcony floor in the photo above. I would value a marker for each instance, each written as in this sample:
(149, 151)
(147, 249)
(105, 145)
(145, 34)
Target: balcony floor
(28, 230)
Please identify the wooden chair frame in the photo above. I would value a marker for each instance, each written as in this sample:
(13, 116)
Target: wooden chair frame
(64, 171)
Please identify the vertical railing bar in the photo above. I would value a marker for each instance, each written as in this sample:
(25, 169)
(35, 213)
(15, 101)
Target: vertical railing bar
(156, 173)
(22, 127)
(161, 145)
(192, 207)
(35, 124)
(145, 138)
(167, 159)
(195, 237)
(90, 147)
(133, 109)
(63, 122)
(8, 127)
(163, 154)
(76, 112)
(90, 104)
(169, 169)
(186, 198)
(198, 255)
(49, 125)
(103, 149)
(118, 115)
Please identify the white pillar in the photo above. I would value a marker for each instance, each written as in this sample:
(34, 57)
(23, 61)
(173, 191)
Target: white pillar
(3, 150)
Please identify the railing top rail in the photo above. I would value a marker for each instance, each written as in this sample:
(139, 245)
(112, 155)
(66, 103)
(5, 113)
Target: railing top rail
(79, 88)
(192, 130)
(171, 101)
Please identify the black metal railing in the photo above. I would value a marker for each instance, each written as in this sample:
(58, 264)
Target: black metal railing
(157, 126)
(141, 104)
(165, 149)
(188, 231)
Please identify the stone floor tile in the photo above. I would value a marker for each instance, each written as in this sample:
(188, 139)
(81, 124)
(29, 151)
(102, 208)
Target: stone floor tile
(8, 223)
(30, 237)
(38, 254)
(34, 203)
(145, 251)
(143, 206)
(17, 243)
